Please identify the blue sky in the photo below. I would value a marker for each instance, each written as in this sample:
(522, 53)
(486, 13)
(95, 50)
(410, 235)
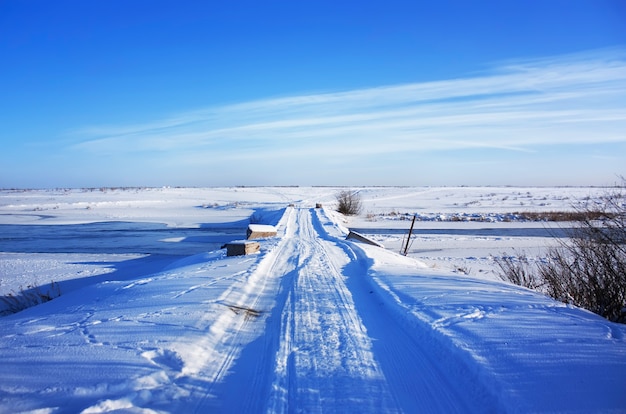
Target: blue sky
(203, 93)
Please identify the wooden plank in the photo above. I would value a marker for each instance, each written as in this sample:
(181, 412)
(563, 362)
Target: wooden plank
(357, 236)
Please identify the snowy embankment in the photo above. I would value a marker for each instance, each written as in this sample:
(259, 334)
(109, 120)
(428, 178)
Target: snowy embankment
(312, 323)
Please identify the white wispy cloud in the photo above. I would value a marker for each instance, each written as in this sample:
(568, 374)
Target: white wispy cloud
(519, 106)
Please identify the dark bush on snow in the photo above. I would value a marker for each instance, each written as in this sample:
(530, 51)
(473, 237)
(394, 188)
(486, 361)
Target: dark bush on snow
(349, 202)
(588, 269)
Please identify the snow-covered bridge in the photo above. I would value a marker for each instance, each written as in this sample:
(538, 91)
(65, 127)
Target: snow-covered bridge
(314, 323)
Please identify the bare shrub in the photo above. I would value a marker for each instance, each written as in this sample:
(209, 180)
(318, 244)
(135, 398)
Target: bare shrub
(589, 268)
(519, 270)
(27, 297)
(557, 215)
(349, 202)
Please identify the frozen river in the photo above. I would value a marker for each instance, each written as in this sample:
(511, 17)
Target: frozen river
(116, 237)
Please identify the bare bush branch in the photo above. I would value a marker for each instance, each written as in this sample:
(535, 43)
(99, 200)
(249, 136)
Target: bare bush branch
(518, 270)
(589, 268)
(349, 202)
(27, 297)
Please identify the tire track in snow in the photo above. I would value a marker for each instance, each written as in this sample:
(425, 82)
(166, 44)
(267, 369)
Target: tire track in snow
(234, 352)
(325, 342)
(324, 361)
(212, 358)
(255, 364)
(423, 377)
(314, 354)
(420, 381)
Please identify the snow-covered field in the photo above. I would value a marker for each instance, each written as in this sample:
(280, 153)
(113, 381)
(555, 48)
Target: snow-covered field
(153, 317)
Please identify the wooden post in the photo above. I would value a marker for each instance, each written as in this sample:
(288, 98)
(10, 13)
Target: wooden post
(408, 239)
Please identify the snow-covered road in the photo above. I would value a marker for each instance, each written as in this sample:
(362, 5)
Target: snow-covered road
(315, 352)
(325, 357)
(314, 323)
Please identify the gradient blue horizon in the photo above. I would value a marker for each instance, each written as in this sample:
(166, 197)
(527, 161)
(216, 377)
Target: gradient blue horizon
(193, 93)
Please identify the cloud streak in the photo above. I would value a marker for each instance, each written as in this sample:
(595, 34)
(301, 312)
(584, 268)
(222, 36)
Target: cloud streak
(518, 106)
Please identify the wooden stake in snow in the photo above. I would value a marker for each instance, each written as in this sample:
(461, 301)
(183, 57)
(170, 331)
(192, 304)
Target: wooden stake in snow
(408, 239)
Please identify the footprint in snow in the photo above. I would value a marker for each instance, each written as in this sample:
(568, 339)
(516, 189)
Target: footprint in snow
(164, 358)
(137, 283)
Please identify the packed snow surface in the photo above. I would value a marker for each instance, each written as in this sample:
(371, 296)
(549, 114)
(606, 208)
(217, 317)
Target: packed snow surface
(153, 317)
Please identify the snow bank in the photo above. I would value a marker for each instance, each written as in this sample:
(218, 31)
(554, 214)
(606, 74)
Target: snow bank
(531, 353)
